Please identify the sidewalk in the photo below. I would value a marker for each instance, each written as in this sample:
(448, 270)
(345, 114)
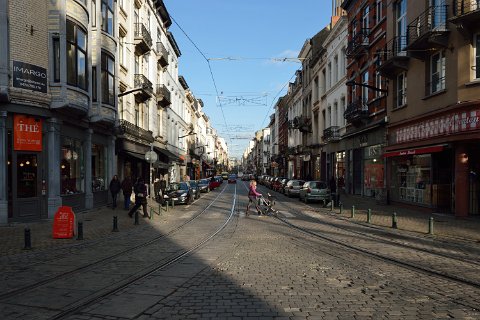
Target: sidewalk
(97, 223)
(410, 219)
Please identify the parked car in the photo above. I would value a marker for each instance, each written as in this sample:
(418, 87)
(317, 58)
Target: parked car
(293, 187)
(224, 175)
(283, 183)
(277, 183)
(314, 191)
(232, 178)
(179, 192)
(214, 183)
(195, 188)
(203, 185)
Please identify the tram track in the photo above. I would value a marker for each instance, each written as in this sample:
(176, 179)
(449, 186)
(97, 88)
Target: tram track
(85, 267)
(99, 296)
(385, 245)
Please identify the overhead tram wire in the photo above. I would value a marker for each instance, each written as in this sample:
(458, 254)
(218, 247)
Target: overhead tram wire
(208, 63)
(276, 96)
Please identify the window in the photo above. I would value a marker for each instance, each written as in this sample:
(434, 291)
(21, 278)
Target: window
(366, 18)
(401, 13)
(335, 69)
(379, 10)
(401, 89)
(437, 72)
(476, 66)
(121, 107)
(76, 56)
(146, 119)
(107, 16)
(99, 161)
(94, 12)
(71, 166)
(378, 84)
(94, 84)
(137, 114)
(108, 79)
(56, 59)
(365, 89)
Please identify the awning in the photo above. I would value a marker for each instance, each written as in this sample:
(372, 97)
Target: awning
(168, 154)
(407, 152)
(134, 155)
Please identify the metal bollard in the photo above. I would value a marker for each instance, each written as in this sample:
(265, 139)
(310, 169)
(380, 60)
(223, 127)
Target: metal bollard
(353, 212)
(166, 206)
(369, 216)
(341, 208)
(332, 202)
(115, 224)
(394, 220)
(80, 230)
(173, 204)
(430, 226)
(28, 239)
(136, 218)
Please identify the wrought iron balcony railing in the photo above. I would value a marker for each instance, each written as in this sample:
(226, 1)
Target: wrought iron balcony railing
(433, 20)
(143, 40)
(356, 110)
(358, 41)
(163, 96)
(146, 86)
(129, 128)
(162, 55)
(331, 134)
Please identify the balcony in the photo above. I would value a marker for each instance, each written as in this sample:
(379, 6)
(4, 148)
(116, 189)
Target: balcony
(142, 39)
(394, 58)
(358, 44)
(163, 96)
(162, 55)
(428, 31)
(146, 88)
(331, 134)
(128, 128)
(356, 111)
(466, 14)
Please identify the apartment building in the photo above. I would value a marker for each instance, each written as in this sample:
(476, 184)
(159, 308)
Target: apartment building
(281, 146)
(333, 95)
(433, 153)
(57, 106)
(366, 98)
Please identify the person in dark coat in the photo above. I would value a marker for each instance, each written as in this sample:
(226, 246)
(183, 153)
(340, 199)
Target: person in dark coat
(115, 188)
(127, 191)
(140, 190)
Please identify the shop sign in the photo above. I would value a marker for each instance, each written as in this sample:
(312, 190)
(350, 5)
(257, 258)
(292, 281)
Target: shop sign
(449, 124)
(411, 152)
(27, 133)
(29, 76)
(63, 223)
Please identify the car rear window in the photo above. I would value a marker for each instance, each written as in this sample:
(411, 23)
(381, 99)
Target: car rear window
(318, 185)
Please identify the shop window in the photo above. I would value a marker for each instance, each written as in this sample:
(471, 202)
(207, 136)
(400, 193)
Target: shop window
(76, 56)
(71, 167)
(412, 179)
(99, 161)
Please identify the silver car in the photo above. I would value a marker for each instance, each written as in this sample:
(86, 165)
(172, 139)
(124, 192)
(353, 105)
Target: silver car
(314, 191)
(292, 188)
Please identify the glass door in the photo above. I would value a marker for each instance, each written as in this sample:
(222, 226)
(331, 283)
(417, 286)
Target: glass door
(27, 186)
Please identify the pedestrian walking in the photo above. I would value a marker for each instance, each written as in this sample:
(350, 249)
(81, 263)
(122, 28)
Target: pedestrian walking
(156, 190)
(252, 197)
(163, 187)
(333, 190)
(115, 188)
(140, 190)
(127, 192)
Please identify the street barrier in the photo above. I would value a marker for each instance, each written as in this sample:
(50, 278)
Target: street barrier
(115, 224)
(80, 230)
(394, 220)
(369, 216)
(28, 239)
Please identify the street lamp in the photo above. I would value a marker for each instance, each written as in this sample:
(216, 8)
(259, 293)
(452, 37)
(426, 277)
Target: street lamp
(351, 83)
(151, 157)
(188, 134)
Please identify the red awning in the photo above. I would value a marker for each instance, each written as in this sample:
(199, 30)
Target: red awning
(407, 152)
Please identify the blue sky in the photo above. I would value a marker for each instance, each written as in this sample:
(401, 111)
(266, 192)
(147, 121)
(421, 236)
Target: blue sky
(242, 40)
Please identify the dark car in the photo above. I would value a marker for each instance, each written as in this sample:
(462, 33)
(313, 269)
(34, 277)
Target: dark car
(195, 188)
(277, 184)
(232, 178)
(179, 192)
(203, 185)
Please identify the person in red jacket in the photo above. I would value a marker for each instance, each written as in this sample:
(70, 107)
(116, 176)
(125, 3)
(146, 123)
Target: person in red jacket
(252, 197)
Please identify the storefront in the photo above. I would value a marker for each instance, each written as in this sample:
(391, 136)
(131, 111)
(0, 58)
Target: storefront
(434, 162)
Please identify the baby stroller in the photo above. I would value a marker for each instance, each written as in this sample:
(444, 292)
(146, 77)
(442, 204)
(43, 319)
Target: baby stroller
(266, 205)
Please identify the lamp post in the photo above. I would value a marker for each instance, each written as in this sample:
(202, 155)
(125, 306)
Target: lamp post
(151, 157)
(351, 83)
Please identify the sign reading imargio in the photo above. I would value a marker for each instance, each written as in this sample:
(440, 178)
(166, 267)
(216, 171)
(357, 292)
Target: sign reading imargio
(30, 77)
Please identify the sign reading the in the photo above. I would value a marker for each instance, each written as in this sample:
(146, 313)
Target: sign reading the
(63, 223)
(30, 77)
(27, 133)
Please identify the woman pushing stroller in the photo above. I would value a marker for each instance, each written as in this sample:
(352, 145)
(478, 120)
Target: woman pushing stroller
(252, 197)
